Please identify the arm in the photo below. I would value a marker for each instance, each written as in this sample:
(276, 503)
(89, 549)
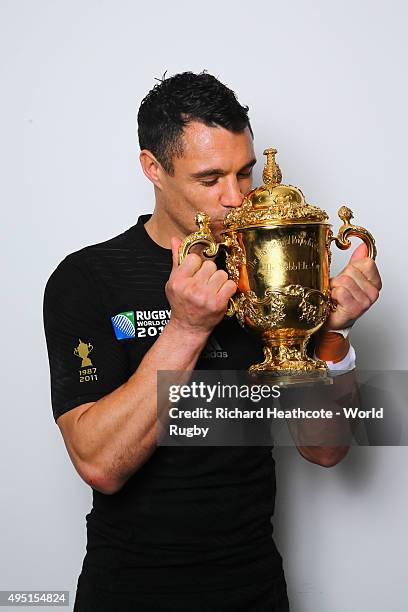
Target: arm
(355, 290)
(326, 441)
(108, 440)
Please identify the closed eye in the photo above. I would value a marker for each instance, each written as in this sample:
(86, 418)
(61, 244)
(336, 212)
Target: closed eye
(212, 182)
(209, 183)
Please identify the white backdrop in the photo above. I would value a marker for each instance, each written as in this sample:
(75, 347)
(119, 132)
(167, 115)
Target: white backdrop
(326, 85)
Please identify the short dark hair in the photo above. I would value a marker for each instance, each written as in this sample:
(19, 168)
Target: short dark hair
(177, 100)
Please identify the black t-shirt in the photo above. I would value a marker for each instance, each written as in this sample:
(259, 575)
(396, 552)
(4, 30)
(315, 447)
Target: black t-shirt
(196, 517)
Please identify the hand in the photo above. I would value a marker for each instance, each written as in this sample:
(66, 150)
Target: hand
(355, 290)
(198, 292)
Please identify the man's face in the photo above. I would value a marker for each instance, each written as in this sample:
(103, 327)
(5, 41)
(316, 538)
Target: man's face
(213, 175)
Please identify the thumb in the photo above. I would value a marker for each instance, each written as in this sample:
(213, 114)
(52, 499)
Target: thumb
(175, 243)
(360, 252)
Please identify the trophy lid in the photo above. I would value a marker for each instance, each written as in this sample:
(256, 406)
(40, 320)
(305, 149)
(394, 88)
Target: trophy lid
(273, 203)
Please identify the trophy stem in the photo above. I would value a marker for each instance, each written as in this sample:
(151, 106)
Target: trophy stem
(287, 357)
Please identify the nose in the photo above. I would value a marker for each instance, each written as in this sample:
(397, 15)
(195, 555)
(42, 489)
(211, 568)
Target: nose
(231, 196)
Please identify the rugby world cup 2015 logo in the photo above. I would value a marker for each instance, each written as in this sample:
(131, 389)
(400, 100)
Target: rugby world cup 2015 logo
(124, 325)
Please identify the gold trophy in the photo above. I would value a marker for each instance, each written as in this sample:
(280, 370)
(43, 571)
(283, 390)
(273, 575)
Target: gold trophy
(278, 253)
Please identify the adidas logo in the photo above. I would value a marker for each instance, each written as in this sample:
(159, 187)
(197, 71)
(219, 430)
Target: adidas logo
(213, 350)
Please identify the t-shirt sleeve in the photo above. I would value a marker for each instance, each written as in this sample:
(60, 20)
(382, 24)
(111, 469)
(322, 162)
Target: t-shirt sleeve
(86, 361)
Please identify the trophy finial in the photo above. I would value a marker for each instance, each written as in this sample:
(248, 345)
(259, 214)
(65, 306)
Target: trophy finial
(345, 214)
(271, 173)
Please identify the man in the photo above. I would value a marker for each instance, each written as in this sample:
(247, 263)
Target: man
(172, 528)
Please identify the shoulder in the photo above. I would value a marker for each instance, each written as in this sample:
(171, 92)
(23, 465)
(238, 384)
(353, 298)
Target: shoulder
(85, 262)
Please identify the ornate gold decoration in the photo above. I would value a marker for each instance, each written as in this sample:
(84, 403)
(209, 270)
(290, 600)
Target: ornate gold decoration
(204, 236)
(248, 309)
(235, 258)
(283, 207)
(271, 173)
(273, 202)
(290, 360)
(313, 306)
(329, 239)
(82, 350)
(278, 253)
(348, 229)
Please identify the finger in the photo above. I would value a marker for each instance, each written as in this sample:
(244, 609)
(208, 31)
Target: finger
(226, 291)
(190, 265)
(347, 304)
(368, 267)
(360, 252)
(206, 270)
(217, 279)
(175, 244)
(359, 280)
(346, 282)
(347, 309)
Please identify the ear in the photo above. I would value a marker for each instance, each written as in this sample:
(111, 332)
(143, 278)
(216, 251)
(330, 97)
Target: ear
(151, 167)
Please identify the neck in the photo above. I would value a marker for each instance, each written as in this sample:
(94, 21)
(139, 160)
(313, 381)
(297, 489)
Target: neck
(153, 230)
(162, 228)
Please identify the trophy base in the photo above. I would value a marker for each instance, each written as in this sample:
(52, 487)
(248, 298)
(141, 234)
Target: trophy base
(288, 364)
(295, 378)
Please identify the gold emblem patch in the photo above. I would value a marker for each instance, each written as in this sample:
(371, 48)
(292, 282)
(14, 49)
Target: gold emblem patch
(82, 350)
(87, 373)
